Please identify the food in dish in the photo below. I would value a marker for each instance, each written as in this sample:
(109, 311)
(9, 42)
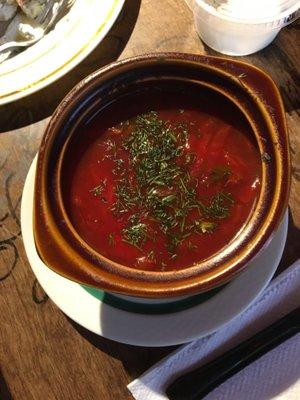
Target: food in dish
(164, 186)
(19, 19)
(32, 8)
(241, 95)
(8, 8)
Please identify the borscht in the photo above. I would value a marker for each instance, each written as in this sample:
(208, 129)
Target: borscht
(163, 183)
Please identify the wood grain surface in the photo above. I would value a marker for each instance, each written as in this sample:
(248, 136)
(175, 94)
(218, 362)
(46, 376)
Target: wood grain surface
(44, 355)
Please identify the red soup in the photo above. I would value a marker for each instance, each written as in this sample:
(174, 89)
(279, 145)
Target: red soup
(166, 185)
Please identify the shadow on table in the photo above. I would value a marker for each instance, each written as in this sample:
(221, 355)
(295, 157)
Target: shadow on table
(135, 359)
(4, 390)
(41, 105)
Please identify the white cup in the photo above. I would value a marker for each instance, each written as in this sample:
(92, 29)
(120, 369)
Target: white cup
(237, 36)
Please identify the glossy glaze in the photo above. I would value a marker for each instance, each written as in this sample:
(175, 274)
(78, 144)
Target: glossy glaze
(256, 95)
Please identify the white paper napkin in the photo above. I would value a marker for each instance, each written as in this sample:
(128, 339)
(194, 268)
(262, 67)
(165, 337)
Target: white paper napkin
(276, 375)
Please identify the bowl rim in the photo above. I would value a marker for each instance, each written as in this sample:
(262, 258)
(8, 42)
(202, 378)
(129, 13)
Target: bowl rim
(219, 276)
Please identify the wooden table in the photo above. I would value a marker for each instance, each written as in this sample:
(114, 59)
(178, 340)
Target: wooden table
(44, 355)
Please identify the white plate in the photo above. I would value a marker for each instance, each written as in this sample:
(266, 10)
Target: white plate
(150, 330)
(72, 39)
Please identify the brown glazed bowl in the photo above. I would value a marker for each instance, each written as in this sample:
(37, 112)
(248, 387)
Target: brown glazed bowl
(250, 89)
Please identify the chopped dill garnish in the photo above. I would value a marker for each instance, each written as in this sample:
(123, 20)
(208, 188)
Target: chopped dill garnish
(111, 239)
(161, 190)
(205, 226)
(151, 256)
(192, 246)
(220, 172)
(96, 191)
(135, 234)
(266, 157)
(219, 206)
(163, 266)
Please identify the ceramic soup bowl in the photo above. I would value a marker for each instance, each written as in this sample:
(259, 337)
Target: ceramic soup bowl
(249, 93)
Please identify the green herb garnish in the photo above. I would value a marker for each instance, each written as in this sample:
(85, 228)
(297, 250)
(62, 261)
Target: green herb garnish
(220, 172)
(161, 189)
(96, 191)
(205, 226)
(192, 246)
(151, 256)
(266, 157)
(111, 239)
(135, 234)
(219, 206)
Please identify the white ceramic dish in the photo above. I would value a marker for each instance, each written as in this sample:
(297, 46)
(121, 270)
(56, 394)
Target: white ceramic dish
(156, 329)
(72, 39)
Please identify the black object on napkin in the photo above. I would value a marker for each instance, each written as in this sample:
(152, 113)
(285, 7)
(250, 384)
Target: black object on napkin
(195, 384)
